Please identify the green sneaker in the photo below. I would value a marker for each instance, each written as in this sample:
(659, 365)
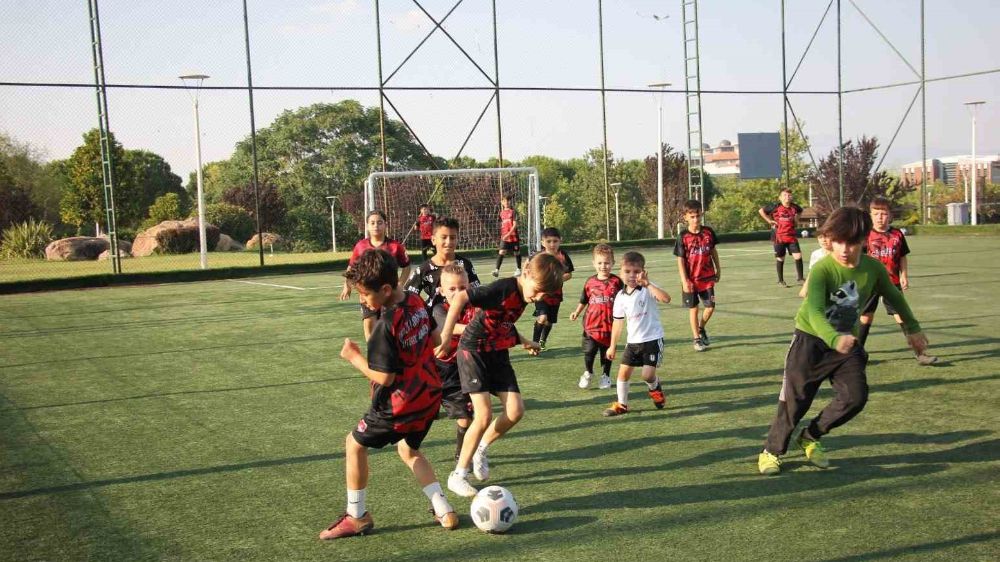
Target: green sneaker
(768, 464)
(813, 450)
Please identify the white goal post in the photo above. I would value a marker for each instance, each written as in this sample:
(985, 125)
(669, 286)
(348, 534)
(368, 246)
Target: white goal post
(472, 196)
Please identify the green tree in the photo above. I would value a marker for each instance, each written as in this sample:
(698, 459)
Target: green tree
(167, 207)
(153, 178)
(27, 169)
(861, 181)
(82, 202)
(15, 202)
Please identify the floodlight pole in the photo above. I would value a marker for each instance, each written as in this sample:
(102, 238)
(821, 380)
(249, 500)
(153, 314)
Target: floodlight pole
(659, 158)
(333, 221)
(973, 106)
(618, 233)
(202, 238)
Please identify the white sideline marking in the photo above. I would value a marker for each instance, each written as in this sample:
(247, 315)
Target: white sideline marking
(274, 285)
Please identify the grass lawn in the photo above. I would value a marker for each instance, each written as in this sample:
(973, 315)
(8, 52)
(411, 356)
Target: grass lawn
(206, 421)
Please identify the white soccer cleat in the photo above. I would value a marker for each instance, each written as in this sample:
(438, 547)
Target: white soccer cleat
(605, 382)
(460, 486)
(517, 272)
(585, 380)
(480, 466)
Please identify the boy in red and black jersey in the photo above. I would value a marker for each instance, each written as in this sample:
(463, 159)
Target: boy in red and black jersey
(454, 401)
(888, 245)
(547, 310)
(783, 218)
(598, 298)
(405, 391)
(700, 269)
(425, 226)
(426, 277)
(484, 359)
(377, 227)
(509, 241)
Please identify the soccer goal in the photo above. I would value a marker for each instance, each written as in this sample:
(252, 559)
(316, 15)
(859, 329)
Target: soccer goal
(471, 196)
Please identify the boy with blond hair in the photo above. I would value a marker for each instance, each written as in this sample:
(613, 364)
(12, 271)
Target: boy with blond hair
(598, 299)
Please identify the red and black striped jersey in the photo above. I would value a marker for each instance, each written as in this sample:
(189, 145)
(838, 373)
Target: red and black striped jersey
(400, 344)
(440, 314)
(696, 250)
(785, 217)
(888, 247)
(390, 246)
(599, 296)
(557, 297)
(426, 225)
(508, 232)
(492, 328)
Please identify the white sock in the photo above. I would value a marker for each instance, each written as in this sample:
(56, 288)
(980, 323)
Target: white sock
(623, 393)
(481, 449)
(436, 495)
(461, 472)
(356, 502)
(654, 383)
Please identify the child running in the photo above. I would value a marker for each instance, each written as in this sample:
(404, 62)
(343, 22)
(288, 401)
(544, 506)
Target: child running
(509, 241)
(598, 298)
(406, 391)
(484, 359)
(547, 309)
(426, 277)
(700, 269)
(425, 226)
(376, 225)
(636, 306)
(888, 245)
(456, 403)
(824, 345)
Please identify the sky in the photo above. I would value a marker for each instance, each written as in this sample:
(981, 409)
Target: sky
(541, 43)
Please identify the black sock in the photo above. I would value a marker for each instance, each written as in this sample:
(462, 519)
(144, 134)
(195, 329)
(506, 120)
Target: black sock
(780, 266)
(499, 261)
(538, 332)
(605, 363)
(798, 269)
(588, 361)
(459, 439)
(546, 330)
(863, 333)
(518, 259)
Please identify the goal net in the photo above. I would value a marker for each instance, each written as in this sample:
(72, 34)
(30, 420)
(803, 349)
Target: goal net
(471, 196)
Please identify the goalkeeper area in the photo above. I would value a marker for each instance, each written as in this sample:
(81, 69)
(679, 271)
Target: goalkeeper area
(472, 196)
(206, 421)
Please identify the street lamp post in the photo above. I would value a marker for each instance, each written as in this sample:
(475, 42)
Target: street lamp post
(659, 157)
(197, 79)
(618, 233)
(333, 221)
(973, 106)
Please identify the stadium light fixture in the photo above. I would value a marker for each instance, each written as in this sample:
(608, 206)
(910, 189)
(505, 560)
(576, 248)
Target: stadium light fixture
(195, 82)
(659, 156)
(973, 106)
(617, 186)
(333, 221)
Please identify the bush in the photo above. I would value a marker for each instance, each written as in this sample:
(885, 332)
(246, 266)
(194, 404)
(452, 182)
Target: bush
(167, 207)
(232, 220)
(26, 240)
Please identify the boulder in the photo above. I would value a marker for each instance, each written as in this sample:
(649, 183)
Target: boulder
(227, 244)
(76, 248)
(173, 237)
(123, 246)
(122, 253)
(271, 240)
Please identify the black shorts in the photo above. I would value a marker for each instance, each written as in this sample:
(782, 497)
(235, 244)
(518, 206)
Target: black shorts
(511, 246)
(707, 296)
(873, 304)
(455, 403)
(486, 371)
(367, 313)
(376, 433)
(590, 346)
(426, 243)
(780, 248)
(551, 311)
(648, 353)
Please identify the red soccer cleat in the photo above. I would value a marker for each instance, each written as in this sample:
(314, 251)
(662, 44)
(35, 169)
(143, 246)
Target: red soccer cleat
(659, 400)
(348, 526)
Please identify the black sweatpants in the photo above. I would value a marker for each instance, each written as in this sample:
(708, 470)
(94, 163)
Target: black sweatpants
(809, 362)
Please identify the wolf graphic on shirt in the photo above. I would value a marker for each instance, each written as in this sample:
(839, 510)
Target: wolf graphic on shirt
(842, 313)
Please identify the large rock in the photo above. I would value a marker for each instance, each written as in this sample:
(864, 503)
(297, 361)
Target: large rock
(173, 237)
(124, 246)
(122, 253)
(76, 248)
(271, 240)
(227, 244)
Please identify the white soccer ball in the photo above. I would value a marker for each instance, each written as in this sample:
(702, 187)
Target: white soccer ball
(494, 509)
(805, 233)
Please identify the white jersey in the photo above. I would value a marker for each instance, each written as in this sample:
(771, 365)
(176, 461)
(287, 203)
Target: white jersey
(642, 317)
(818, 254)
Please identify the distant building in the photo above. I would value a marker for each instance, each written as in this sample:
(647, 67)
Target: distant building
(954, 170)
(723, 160)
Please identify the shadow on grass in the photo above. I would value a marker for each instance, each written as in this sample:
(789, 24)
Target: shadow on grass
(920, 548)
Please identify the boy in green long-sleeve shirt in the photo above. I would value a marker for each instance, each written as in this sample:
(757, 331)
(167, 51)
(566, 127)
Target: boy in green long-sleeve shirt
(824, 345)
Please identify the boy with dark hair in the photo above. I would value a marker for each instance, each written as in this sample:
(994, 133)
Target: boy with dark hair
(547, 309)
(824, 345)
(700, 269)
(456, 403)
(509, 241)
(636, 302)
(405, 389)
(888, 245)
(783, 218)
(426, 278)
(598, 298)
(425, 226)
(484, 359)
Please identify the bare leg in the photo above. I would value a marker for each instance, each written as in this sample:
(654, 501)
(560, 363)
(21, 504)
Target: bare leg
(513, 411)
(356, 463)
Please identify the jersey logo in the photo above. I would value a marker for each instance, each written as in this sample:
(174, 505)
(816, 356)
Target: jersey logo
(362, 426)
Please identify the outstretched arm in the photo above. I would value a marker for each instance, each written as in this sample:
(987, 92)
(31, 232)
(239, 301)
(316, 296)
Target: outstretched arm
(352, 354)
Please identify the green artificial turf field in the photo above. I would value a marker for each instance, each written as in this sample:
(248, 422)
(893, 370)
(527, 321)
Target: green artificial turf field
(206, 421)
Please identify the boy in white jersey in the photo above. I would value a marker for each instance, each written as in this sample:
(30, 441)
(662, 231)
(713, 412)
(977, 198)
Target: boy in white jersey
(636, 305)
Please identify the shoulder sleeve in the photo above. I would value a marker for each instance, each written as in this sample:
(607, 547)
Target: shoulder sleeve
(715, 239)
(618, 310)
(569, 263)
(769, 208)
(489, 296)
(383, 353)
(355, 253)
(679, 246)
(583, 294)
(470, 270)
(402, 258)
(797, 208)
(904, 248)
(415, 281)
